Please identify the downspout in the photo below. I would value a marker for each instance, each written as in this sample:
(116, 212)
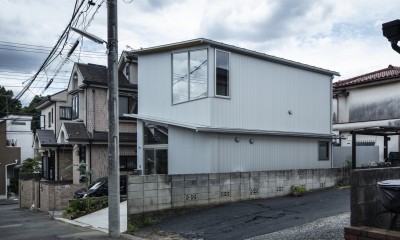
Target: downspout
(58, 163)
(94, 110)
(330, 118)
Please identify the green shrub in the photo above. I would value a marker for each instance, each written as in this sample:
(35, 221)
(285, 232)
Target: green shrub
(83, 206)
(300, 189)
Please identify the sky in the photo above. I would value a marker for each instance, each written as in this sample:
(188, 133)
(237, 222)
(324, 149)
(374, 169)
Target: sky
(343, 36)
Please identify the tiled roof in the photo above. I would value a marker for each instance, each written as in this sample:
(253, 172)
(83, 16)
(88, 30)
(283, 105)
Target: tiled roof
(46, 137)
(97, 74)
(123, 137)
(76, 132)
(386, 73)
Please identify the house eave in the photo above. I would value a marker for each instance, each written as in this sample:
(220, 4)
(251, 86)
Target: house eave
(223, 46)
(202, 128)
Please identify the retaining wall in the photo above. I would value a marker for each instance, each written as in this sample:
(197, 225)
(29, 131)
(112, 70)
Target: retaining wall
(147, 194)
(364, 198)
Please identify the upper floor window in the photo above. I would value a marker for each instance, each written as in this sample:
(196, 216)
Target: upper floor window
(50, 117)
(127, 71)
(65, 113)
(189, 75)
(75, 81)
(75, 106)
(222, 73)
(127, 105)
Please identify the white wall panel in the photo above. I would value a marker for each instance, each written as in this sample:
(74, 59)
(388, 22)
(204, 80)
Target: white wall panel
(196, 152)
(263, 93)
(155, 93)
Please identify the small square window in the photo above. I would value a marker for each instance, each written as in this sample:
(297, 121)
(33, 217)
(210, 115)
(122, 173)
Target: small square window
(323, 150)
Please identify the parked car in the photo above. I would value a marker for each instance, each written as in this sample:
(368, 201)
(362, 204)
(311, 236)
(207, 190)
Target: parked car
(99, 188)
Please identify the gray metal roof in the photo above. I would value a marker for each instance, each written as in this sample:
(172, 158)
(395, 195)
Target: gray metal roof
(123, 137)
(46, 137)
(76, 132)
(223, 46)
(97, 74)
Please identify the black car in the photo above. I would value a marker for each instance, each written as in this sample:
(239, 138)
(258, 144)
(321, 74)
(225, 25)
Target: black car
(99, 188)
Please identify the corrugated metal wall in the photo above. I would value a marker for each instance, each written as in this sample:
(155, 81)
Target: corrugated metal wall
(263, 93)
(194, 152)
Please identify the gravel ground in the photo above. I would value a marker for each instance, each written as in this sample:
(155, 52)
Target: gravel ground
(326, 228)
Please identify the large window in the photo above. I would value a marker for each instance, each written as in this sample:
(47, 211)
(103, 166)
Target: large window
(222, 73)
(155, 149)
(127, 105)
(156, 161)
(323, 150)
(189, 75)
(127, 163)
(75, 106)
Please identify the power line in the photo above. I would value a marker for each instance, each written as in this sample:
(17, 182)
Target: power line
(48, 59)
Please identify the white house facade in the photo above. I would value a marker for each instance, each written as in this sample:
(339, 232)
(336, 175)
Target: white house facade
(209, 107)
(365, 101)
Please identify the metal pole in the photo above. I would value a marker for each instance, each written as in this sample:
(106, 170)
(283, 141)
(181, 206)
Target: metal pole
(113, 122)
(353, 150)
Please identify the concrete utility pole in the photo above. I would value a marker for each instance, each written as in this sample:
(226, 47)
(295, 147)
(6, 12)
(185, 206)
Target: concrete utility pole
(113, 122)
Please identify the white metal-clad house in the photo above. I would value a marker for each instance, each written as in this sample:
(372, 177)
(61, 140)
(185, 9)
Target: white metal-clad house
(209, 107)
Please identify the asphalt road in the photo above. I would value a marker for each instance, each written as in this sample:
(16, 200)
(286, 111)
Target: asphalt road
(20, 224)
(257, 217)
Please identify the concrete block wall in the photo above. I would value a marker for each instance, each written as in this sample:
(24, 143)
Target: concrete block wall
(364, 199)
(161, 192)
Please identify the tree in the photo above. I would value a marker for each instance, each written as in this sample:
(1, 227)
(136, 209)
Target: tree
(7, 103)
(31, 165)
(31, 110)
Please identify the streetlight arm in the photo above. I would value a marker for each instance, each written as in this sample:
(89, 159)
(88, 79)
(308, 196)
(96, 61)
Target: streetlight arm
(395, 46)
(89, 35)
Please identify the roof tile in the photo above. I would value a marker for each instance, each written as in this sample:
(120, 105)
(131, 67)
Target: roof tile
(389, 72)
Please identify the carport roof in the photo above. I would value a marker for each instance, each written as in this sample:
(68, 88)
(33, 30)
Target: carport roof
(378, 131)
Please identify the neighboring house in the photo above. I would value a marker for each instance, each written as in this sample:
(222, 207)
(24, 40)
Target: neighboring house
(209, 107)
(56, 158)
(15, 146)
(87, 131)
(19, 134)
(368, 100)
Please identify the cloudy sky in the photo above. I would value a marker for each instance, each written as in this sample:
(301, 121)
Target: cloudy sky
(344, 36)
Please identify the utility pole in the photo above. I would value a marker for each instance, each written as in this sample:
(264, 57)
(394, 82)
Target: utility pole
(113, 122)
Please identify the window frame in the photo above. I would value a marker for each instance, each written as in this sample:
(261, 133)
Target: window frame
(188, 74)
(229, 74)
(75, 116)
(327, 157)
(63, 113)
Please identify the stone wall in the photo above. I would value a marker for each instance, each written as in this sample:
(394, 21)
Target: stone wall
(364, 198)
(46, 196)
(154, 193)
(56, 195)
(28, 193)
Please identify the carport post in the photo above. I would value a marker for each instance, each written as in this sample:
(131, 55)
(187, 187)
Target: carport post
(353, 150)
(385, 148)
